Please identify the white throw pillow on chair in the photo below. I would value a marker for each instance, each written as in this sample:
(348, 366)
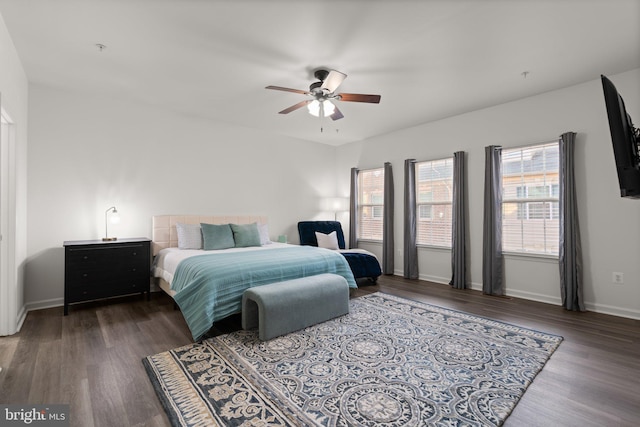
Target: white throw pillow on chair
(327, 241)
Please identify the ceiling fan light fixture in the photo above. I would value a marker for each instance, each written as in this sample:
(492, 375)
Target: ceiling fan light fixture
(314, 108)
(328, 107)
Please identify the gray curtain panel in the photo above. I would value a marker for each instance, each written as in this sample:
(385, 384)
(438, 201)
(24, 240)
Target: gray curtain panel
(459, 224)
(353, 210)
(410, 247)
(570, 251)
(492, 269)
(387, 221)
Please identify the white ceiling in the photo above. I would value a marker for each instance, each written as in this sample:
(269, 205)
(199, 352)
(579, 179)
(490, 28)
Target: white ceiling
(428, 59)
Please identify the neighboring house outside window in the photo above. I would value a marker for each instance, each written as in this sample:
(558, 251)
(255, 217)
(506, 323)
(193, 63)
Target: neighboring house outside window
(370, 204)
(434, 196)
(530, 191)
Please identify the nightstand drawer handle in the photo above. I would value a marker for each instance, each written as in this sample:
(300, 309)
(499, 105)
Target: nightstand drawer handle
(85, 257)
(85, 275)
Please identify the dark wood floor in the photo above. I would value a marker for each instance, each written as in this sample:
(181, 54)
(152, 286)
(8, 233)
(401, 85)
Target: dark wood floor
(91, 359)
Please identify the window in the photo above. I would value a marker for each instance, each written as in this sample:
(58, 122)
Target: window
(370, 204)
(434, 195)
(530, 191)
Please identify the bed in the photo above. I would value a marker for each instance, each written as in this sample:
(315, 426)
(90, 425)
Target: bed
(208, 285)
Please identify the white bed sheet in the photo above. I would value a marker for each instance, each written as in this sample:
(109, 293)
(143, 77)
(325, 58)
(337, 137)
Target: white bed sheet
(167, 260)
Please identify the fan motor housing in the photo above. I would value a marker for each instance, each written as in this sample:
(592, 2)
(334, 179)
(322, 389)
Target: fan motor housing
(316, 87)
(321, 74)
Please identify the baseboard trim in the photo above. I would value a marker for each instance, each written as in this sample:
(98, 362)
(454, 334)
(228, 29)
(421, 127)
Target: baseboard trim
(532, 296)
(553, 300)
(41, 305)
(613, 311)
(22, 315)
(547, 299)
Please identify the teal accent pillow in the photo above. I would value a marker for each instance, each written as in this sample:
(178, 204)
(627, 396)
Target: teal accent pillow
(216, 236)
(246, 235)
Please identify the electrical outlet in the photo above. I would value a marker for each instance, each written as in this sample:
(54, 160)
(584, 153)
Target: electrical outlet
(618, 277)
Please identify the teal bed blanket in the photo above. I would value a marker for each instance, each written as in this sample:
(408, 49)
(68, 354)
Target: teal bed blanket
(209, 287)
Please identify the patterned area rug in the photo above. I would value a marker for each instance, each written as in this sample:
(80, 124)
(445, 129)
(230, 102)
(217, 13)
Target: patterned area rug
(389, 362)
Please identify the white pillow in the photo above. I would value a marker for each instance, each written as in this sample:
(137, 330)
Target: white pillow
(189, 236)
(327, 241)
(263, 230)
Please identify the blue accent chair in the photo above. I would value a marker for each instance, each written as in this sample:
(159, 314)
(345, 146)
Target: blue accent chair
(362, 265)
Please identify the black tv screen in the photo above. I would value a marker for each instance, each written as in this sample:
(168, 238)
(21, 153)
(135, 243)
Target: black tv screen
(625, 138)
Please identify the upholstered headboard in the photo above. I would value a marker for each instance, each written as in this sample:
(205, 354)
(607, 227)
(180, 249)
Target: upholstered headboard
(164, 234)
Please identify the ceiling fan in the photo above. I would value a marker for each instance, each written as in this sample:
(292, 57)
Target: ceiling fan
(322, 93)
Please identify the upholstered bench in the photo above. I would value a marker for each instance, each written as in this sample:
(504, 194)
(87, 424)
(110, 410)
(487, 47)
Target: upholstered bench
(283, 307)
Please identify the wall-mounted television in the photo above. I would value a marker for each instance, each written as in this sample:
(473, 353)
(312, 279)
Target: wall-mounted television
(626, 141)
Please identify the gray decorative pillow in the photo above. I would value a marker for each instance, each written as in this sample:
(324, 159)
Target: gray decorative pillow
(217, 236)
(189, 236)
(246, 235)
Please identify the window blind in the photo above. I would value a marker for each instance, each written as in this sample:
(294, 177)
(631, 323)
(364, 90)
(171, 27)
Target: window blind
(370, 203)
(434, 195)
(530, 190)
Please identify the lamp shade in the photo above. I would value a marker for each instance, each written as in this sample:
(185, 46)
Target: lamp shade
(314, 108)
(336, 204)
(115, 219)
(328, 107)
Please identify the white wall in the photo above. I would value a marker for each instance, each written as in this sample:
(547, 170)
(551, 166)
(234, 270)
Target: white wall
(610, 225)
(14, 102)
(87, 154)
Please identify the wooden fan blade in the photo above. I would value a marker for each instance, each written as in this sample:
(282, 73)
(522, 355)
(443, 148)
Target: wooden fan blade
(295, 107)
(337, 114)
(359, 97)
(333, 80)
(286, 89)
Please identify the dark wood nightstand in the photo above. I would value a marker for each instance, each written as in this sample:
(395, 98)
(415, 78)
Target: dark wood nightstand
(94, 269)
